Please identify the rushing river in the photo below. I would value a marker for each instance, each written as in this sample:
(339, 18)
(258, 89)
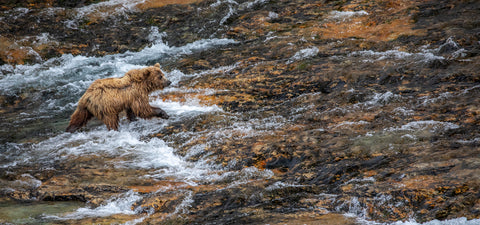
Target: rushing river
(54, 87)
(44, 94)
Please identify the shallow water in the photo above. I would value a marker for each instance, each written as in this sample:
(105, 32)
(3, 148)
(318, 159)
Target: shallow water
(51, 89)
(149, 161)
(35, 212)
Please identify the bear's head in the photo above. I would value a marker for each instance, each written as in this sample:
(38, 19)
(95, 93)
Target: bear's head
(155, 75)
(150, 78)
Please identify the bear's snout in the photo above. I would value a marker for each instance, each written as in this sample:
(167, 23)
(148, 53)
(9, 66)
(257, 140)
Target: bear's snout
(167, 83)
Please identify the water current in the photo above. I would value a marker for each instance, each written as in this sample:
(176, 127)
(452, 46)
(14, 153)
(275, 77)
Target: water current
(33, 135)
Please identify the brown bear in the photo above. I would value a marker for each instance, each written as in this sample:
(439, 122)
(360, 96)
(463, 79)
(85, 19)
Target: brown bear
(107, 98)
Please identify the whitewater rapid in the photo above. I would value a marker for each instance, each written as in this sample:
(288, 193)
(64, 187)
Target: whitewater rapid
(64, 79)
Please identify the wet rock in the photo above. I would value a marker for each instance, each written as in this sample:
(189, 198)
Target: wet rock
(9, 4)
(164, 203)
(372, 112)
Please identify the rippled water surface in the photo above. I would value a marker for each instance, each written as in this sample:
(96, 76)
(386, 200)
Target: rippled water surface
(147, 161)
(57, 84)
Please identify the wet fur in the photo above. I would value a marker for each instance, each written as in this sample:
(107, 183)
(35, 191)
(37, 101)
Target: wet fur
(106, 98)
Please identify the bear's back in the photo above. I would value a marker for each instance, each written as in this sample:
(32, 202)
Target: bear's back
(111, 83)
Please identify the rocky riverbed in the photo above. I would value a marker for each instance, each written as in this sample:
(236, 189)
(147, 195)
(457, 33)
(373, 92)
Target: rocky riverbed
(282, 112)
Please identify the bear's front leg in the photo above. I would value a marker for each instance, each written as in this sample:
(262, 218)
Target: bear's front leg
(111, 121)
(131, 115)
(159, 112)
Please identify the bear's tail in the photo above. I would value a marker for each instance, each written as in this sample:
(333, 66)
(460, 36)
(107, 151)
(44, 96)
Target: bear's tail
(79, 119)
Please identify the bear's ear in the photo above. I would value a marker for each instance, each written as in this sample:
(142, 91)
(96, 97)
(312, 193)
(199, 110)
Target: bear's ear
(157, 65)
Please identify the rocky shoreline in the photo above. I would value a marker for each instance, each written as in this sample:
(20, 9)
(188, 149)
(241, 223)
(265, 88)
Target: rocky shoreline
(377, 103)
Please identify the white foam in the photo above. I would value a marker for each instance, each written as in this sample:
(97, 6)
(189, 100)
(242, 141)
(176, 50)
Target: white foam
(421, 57)
(103, 10)
(449, 43)
(409, 137)
(427, 100)
(155, 36)
(51, 74)
(126, 147)
(280, 185)
(231, 12)
(475, 140)
(466, 91)
(88, 68)
(255, 3)
(272, 15)
(100, 10)
(135, 221)
(234, 6)
(354, 208)
(357, 209)
(345, 15)
(450, 48)
(68, 76)
(184, 205)
(118, 205)
(360, 180)
(161, 50)
(304, 54)
(244, 129)
(456, 221)
(176, 76)
(220, 2)
(382, 98)
(245, 176)
(375, 100)
(350, 124)
(24, 182)
(18, 12)
(402, 111)
(180, 108)
(200, 91)
(431, 125)
(126, 143)
(44, 38)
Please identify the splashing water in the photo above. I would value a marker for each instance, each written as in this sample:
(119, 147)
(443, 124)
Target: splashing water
(61, 81)
(55, 85)
(118, 205)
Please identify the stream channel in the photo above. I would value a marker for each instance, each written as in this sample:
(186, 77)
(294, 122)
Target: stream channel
(248, 132)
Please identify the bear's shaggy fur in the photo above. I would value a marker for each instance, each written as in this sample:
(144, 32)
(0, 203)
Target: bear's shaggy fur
(106, 98)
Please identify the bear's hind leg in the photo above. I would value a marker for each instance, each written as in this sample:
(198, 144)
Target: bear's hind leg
(79, 119)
